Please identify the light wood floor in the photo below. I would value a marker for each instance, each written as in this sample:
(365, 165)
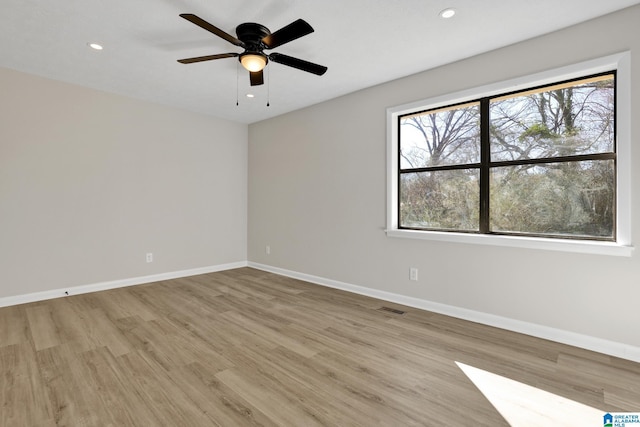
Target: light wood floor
(245, 347)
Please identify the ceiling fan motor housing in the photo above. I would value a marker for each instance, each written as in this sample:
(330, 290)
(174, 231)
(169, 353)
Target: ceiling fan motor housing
(251, 34)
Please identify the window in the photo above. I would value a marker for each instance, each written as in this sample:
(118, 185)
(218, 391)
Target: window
(539, 163)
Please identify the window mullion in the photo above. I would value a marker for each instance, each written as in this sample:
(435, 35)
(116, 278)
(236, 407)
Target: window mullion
(485, 159)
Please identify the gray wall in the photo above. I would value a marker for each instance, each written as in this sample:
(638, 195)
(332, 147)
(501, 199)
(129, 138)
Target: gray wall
(90, 182)
(317, 194)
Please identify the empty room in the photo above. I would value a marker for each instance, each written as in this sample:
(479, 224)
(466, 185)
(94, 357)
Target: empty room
(297, 213)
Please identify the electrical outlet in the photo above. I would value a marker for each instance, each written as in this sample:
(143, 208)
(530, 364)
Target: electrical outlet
(149, 257)
(267, 250)
(413, 273)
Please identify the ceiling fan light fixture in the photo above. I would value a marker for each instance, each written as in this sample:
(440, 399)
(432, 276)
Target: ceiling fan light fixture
(253, 61)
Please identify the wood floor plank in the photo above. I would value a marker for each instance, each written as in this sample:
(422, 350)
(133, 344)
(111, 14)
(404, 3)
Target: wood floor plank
(283, 408)
(248, 348)
(14, 326)
(170, 346)
(104, 332)
(273, 335)
(68, 392)
(349, 403)
(70, 321)
(43, 329)
(23, 396)
(158, 394)
(118, 304)
(223, 405)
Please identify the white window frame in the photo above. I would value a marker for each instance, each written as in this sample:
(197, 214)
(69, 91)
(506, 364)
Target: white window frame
(621, 247)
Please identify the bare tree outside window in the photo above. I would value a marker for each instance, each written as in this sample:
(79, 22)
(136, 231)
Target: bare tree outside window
(445, 198)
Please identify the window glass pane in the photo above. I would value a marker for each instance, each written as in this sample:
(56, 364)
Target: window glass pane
(447, 199)
(562, 120)
(445, 136)
(567, 199)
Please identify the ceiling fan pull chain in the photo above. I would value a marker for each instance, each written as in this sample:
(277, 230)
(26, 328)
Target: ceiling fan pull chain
(268, 84)
(237, 80)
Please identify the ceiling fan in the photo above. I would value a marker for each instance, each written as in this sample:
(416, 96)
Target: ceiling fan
(254, 39)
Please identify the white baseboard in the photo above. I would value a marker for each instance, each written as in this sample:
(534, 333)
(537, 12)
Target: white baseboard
(103, 286)
(599, 345)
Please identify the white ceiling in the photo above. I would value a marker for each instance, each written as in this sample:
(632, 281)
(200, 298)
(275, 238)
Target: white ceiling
(363, 42)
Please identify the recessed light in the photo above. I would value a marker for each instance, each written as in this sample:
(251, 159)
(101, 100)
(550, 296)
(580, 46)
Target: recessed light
(447, 13)
(250, 95)
(95, 46)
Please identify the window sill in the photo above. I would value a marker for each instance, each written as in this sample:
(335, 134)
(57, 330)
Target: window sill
(564, 245)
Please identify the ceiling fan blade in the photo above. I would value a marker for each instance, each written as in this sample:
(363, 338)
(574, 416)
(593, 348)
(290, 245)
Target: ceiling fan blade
(300, 64)
(211, 28)
(207, 58)
(257, 78)
(288, 33)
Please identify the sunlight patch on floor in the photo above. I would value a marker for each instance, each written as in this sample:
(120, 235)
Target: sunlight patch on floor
(522, 405)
